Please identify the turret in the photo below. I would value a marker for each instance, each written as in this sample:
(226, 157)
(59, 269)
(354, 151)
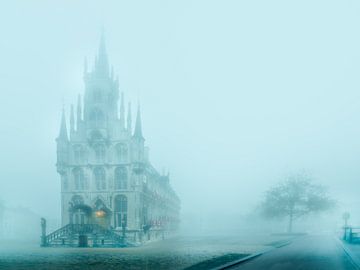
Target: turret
(101, 62)
(138, 139)
(63, 135)
(72, 121)
(122, 112)
(62, 145)
(138, 127)
(129, 119)
(78, 113)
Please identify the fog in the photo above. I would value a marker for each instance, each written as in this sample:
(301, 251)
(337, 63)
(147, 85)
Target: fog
(234, 95)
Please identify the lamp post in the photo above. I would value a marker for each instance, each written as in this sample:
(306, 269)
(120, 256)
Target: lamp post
(345, 217)
(43, 232)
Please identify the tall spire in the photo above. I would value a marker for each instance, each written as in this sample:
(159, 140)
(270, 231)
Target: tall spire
(138, 129)
(63, 130)
(129, 119)
(122, 112)
(101, 63)
(72, 120)
(78, 113)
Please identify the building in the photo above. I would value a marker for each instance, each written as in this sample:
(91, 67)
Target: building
(106, 175)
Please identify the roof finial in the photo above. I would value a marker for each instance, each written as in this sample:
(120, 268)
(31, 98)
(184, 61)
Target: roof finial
(101, 62)
(63, 130)
(78, 113)
(72, 120)
(138, 127)
(122, 112)
(129, 119)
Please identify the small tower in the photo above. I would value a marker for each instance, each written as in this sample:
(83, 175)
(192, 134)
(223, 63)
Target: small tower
(62, 144)
(138, 138)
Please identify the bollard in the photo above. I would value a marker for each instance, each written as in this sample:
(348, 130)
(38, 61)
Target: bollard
(43, 232)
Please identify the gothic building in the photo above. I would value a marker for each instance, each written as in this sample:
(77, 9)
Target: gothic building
(106, 176)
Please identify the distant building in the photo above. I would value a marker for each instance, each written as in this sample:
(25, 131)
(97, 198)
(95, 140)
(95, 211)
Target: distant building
(106, 176)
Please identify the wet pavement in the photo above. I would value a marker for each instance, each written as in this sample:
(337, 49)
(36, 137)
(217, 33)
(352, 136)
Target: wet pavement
(321, 252)
(175, 253)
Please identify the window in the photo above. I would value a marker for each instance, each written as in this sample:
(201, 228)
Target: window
(100, 179)
(120, 178)
(78, 154)
(120, 211)
(121, 152)
(97, 117)
(79, 179)
(100, 152)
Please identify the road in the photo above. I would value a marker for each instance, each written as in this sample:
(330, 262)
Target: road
(305, 253)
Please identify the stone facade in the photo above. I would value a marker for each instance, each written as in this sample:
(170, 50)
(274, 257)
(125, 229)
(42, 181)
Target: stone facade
(106, 175)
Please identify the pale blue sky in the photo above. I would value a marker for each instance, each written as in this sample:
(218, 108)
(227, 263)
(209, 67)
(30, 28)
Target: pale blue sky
(234, 94)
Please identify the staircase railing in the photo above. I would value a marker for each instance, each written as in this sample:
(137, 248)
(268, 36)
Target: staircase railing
(93, 229)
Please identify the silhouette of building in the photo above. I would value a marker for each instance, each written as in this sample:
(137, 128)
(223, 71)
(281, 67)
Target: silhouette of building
(106, 175)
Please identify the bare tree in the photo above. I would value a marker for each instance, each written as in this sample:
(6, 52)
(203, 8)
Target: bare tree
(294, 197)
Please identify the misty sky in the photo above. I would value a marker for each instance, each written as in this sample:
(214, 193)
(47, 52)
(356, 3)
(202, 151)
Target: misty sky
(234, 94)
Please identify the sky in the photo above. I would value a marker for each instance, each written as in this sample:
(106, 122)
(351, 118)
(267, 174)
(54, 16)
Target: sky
(234, 94)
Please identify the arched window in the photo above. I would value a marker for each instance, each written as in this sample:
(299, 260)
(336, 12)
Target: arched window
(100, 152)
(100, 179)
(79, 179)
(121, 151)
(97, 117)
(79, 154)
(120, 177)
(121, 205)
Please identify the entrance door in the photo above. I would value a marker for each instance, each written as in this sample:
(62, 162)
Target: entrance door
(83, 241)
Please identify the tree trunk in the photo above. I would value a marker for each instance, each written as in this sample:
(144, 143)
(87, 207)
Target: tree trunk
(290, 223)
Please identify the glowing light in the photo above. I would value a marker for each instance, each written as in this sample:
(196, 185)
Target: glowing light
(100, 214)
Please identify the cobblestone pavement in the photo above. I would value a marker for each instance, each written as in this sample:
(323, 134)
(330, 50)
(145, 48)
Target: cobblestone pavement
(175, 253)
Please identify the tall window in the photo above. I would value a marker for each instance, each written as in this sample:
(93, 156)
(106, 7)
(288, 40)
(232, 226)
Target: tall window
(97, 117)
(78, 154)
(100, 152)
(79, 179)
(100, 179)
(120, 178)
(120, 210)
(121, 151)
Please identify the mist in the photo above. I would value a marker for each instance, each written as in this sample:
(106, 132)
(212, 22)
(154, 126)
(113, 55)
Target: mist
(234, 96)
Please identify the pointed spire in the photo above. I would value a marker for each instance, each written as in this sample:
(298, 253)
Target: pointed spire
(102, 65)
(78, 113)
(72, 120)
(138, 128)
(122, 112)
(63, 130)
(129, 119)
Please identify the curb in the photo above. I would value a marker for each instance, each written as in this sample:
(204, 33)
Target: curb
(252, 256)
(355, 261)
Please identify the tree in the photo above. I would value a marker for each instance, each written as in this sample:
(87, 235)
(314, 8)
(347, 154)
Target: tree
(295, 197)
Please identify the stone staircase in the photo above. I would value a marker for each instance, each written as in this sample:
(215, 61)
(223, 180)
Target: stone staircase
(85, 235)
